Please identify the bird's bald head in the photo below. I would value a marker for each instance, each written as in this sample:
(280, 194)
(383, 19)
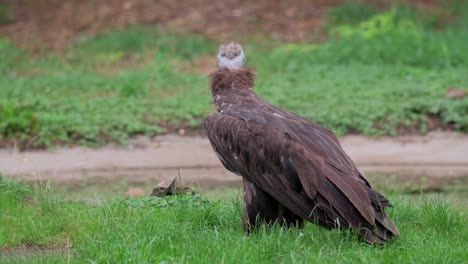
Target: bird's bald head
(231, 55)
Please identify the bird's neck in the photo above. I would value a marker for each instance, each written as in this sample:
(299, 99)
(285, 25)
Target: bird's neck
(230, 87)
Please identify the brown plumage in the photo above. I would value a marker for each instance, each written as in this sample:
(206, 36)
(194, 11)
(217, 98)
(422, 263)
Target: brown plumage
(293, 169)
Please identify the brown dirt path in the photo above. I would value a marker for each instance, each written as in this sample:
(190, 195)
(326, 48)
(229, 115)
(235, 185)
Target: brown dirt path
(441, 156)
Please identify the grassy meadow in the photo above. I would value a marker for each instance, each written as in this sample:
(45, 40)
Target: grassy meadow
(379, 70)
(192, 229)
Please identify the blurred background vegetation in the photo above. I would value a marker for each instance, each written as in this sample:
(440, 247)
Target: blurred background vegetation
(94, 72)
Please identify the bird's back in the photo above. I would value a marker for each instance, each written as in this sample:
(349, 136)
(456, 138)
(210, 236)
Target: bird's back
(310, 135)
(298, 162)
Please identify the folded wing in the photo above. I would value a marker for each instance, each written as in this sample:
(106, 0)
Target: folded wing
(303, 166)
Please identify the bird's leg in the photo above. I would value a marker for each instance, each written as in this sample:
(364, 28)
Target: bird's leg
(259, 207)
(287, 218)
(262, 208)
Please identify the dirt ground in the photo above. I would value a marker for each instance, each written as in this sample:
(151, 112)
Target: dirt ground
(435, 159)
(55, 23)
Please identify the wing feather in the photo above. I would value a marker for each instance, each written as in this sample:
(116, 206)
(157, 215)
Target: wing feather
(353, 190)
(310, 175)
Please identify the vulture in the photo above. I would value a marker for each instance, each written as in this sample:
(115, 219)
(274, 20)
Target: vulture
(293, 169)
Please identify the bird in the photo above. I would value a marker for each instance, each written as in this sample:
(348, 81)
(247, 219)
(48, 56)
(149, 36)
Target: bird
(293, 169)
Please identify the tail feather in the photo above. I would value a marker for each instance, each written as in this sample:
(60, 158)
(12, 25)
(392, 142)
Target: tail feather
(380, 202)
(382, 230)
(379, 234)
(385, 222)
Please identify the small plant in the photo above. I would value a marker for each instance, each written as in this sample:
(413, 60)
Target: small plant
(350, 13)
(183, 200)
(381, 24)
(6, 16)
(9, 56)
(18, 121)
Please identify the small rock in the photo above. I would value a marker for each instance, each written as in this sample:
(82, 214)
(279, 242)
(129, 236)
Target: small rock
(455, 93)
(136, 192)
(181, 132)
(165, 187)
(139, 142)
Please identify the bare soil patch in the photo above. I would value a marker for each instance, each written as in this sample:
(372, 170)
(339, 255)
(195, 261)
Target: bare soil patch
(428, 162)
(54, 23)
(30, 251)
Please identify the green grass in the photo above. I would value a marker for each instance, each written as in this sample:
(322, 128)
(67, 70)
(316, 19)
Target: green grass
(191, 229)
(440, 15)
(106, 89)
(373, 75)
(350, 13)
